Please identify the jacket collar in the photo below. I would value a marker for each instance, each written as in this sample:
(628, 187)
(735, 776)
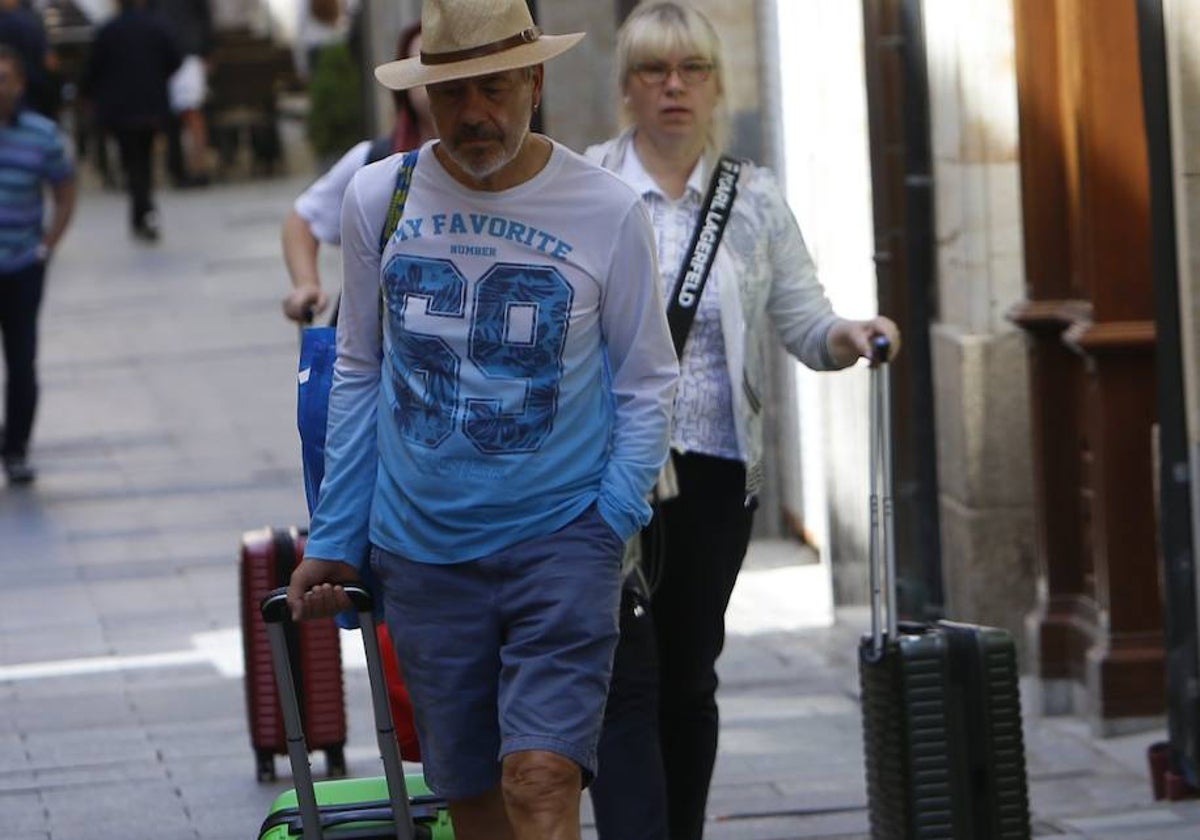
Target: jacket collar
(623, 159)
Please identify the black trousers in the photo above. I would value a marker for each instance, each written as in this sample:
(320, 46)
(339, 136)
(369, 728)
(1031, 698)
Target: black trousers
(629, 794)
(20, 301)
(137, 148)
(705, 534)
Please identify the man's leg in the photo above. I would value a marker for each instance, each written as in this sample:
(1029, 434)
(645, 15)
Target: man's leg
(136, 145)
(20, 301)
(541, 795)
(559, 598)
(481, 817)
(445, 632)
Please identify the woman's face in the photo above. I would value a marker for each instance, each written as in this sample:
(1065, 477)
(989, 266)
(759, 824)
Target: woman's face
(673, 96)
(417, 96)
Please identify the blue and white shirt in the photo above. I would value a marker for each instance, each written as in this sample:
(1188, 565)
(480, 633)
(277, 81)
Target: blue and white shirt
(519, 369)
(32, 153)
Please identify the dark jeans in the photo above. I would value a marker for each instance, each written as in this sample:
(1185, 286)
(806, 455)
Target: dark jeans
(137, 147)
(707, 532)
(629, 797)
(20, 300)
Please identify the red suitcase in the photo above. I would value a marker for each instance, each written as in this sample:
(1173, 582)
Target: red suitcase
(268, 557)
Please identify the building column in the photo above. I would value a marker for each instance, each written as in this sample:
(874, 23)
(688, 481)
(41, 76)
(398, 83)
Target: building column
(980, 371)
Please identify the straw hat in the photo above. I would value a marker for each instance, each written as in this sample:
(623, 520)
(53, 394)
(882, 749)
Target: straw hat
(464, 38)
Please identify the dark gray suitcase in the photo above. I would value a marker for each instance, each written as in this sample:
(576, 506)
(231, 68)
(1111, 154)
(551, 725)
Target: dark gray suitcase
(945, 755)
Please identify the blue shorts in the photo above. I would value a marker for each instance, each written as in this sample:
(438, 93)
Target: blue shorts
(507, 653)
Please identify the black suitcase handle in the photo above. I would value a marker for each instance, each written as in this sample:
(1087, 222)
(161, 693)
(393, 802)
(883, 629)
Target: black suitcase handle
(275, 609)
(276, 614)
(882, 549)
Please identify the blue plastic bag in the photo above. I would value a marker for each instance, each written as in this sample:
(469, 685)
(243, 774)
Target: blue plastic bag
(318, 351)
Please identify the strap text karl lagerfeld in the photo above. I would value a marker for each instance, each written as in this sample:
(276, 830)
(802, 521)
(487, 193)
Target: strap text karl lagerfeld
(710, 233)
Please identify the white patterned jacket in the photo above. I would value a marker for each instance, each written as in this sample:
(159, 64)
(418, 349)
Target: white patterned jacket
(763, 249)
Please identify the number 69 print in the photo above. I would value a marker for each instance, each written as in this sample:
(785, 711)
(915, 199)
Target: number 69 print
(427, 369)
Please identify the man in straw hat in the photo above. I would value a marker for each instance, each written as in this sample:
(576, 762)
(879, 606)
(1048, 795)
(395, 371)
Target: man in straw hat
(499, 412)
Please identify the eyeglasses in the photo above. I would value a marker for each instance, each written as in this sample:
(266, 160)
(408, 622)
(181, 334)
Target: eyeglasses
(691, 72)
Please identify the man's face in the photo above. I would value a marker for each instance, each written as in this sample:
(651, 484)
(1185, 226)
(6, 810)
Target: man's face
(482, 121)
(12, 86)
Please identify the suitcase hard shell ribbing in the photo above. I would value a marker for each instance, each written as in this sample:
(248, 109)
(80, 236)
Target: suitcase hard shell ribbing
(944, 749)
(362, 809)
(267, 558)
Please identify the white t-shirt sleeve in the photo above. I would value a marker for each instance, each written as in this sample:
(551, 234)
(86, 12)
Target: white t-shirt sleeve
(339, 529)
(644, 374)
(321, 204)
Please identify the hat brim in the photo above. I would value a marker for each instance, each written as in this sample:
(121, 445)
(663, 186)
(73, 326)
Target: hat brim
(410, 72)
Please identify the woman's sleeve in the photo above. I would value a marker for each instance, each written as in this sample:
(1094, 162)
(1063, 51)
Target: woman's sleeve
(796, 302)
(321, 204)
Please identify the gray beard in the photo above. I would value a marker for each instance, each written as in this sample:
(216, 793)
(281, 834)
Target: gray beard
(484, 171)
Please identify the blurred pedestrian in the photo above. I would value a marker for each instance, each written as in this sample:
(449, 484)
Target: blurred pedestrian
(498, 413)
(132, 58)
(731, 266)
(32, 156)
(22, 29)
(321, 23)
(316, 216)
(191, 22)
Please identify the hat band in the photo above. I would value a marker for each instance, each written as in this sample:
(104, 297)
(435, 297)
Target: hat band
(526, 36)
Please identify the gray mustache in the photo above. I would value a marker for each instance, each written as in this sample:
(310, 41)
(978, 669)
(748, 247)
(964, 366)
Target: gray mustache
(467, 134)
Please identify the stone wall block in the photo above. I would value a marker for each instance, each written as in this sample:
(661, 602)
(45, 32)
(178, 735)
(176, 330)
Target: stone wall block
(988, 567)
(982, 419)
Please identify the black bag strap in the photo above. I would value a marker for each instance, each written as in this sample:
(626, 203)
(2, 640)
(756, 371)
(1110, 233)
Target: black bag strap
(710, 227)
(380, 148)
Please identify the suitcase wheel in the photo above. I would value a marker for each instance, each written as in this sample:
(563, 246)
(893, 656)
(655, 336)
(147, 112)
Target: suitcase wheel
(265, 761)
(335, 762)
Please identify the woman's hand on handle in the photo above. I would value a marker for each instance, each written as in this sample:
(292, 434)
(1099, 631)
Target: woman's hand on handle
(851, 340)
(315, 590)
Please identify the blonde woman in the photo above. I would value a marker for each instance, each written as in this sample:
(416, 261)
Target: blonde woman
(672, 83)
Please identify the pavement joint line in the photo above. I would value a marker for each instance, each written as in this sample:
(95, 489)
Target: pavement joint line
(166, 358)
(101, 665)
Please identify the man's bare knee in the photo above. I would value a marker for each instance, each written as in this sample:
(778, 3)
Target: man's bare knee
(540, 782)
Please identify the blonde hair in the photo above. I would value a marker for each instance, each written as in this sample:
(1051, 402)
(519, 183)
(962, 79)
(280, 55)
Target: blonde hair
(656, 28)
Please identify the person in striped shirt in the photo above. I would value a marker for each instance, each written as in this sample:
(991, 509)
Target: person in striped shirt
(32, 156)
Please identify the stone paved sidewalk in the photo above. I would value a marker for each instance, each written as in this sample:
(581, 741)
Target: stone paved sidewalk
(166, 430)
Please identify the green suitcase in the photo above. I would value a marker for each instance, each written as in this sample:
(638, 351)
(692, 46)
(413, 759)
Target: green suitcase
(378, 808)
(360, 808)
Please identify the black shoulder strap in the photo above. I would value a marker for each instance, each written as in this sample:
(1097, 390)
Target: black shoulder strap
(710, 227)
(380, 148)
(399, 196)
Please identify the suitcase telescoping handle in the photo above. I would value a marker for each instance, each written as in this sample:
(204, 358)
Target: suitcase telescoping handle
(882, 548)
(275, 612)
